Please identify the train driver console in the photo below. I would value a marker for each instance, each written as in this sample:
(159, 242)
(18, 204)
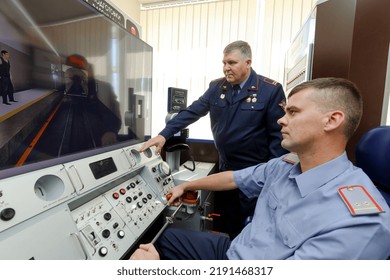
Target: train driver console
(93, 208)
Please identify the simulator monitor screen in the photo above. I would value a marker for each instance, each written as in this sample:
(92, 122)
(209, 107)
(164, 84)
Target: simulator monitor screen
(72, 81)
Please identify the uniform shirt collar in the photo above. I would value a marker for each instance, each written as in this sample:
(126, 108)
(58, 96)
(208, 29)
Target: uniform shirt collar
(315, 178)
(244, 82)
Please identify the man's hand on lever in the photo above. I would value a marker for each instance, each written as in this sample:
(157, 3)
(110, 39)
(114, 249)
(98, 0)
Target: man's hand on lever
(174, 195)
(148, 251)
(157, 141)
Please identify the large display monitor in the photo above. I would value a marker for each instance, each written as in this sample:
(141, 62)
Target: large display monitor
(82, 82)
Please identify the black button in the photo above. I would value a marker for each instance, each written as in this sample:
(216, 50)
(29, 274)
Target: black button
(7, 214)
(106, 233)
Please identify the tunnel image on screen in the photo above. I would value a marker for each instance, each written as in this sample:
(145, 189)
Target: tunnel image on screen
(81, 82)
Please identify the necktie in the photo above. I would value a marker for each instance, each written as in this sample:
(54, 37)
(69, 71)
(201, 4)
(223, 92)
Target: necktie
(236, 89)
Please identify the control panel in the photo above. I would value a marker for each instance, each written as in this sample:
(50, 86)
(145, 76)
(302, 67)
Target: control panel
(93, 208)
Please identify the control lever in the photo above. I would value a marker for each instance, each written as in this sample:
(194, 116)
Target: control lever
(169, 220)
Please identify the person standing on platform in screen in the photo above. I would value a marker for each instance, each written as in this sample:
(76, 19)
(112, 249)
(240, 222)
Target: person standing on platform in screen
(244, 108)
(311, 204)
(6, 86)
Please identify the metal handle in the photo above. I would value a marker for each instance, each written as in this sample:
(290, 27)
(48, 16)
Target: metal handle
(169, 220)
(78, 176)
(81, 244)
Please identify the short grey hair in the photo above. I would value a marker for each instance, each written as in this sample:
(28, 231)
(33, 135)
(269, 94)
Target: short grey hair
(242, 46)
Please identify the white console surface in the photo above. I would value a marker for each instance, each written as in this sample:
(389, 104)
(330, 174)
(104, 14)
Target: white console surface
(202, 169)
(96, 207)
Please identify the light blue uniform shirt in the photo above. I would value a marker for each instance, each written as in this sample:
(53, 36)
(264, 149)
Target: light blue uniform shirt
(302, 216)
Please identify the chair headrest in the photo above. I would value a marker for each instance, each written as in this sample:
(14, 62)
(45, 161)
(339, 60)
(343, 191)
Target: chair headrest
(373, 155)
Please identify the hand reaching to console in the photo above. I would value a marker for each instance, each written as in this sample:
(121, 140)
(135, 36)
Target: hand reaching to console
(157, 141)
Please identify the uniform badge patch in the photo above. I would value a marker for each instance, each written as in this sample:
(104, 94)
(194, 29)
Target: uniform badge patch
(359, 201)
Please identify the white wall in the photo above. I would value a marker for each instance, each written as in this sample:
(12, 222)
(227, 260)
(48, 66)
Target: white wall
(188, 41)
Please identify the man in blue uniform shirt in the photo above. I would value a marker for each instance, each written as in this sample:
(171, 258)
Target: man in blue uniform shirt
(312, 204)
(243, 123)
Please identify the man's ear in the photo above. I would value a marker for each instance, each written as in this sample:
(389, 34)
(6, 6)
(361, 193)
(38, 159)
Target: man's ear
(334, 120)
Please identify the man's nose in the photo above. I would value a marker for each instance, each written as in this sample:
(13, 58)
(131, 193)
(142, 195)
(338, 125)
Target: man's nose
(282, 121)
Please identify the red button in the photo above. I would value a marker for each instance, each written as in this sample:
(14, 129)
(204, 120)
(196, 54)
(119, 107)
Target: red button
(122, 191)
(115, 195)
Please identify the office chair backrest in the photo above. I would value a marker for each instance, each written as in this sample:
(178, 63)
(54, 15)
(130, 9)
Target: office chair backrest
(373, 156)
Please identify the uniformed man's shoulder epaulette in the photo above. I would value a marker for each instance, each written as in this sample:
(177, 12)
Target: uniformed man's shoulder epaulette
(291, 158)
(270, 81)
(359, 201)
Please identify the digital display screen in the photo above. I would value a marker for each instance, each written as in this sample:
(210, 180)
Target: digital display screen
(81, 81)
